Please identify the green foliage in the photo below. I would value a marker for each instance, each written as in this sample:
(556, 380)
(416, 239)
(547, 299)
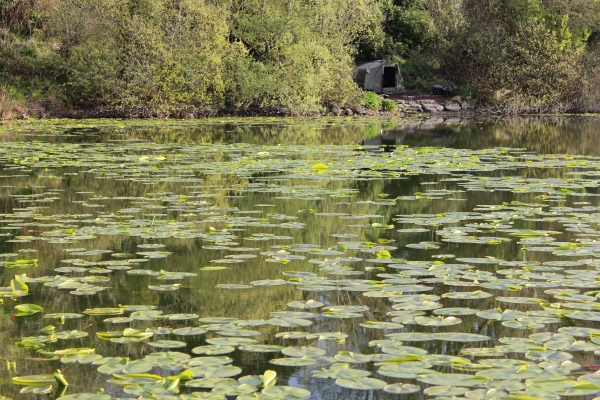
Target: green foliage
(372, 101)
(159, 57)
(165, 57)
(389, 105)
(534, 64)
(145, 55)
(418, 73)
(466, 91)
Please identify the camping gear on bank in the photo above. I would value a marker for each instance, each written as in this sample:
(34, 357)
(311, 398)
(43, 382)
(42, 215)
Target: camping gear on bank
(441, 90)
(379, 77)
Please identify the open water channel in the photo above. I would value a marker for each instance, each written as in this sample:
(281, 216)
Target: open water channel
(280, 259)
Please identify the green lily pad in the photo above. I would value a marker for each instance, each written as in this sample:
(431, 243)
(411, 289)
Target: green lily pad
(261, 348)
(167, 344)
(27, 309)
(361, 383)
(340, 370)
(304, 351)
(286, 392)
(293, 362)
(399, 388)
(37, 380)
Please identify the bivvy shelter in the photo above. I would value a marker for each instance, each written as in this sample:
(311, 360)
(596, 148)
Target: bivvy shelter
(379, 77)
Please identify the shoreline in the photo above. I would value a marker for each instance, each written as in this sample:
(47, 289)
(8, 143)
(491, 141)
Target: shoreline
(417, 106)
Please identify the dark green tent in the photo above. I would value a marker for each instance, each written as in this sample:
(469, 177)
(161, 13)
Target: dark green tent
(379, 77)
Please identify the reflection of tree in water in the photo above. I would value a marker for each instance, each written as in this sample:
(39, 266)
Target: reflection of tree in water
(545, 135)
(577, 136)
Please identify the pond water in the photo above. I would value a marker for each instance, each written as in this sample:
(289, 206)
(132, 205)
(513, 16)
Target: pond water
(357, 259)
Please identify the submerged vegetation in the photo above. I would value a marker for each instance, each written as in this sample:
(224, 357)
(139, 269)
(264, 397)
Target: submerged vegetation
(184, 58)
(157, 261)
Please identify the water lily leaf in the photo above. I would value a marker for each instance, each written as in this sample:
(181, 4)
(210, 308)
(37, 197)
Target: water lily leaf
(403, 370)
(286, 392)
(36, 389)
(213, 350)
(239, 332)
(354, 358)
(214, 371)
(269, 282)
(500, 315)
(167, 344)
(191, 331)
(289, 322)
(27, 309)
(233, 286)
(305, 304)
(87, 396)
(437, 321)
(467, 295)
(104, 311)
(445, 391)
(81, 358)
(291, 335)
(208, 383)
(261, 348)
(401, 350)
(361, 383)
(340, 370)
(37, 380)
(61, 316)
(227, 388)
(180, 317)
(216, 320)
(399, 388)
(136, 367)
(75, 334)
(412, 336)
(231, 341)
(293, 362)
(453, 380)
(519, 300)
(326, 336)
(585, 315)
(461, 337)
(215, 360)
(114, 366)
(118, 320)
(304, 351)
(201, 395)
(548, 355)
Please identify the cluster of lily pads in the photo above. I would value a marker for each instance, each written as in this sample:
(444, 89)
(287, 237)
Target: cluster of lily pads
(520, 323)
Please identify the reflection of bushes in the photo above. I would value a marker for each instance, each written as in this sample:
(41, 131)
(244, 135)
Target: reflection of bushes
(544, 135)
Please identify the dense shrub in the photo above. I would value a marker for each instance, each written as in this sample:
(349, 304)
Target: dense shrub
(163, 57)
(372, 101)
(389, 105)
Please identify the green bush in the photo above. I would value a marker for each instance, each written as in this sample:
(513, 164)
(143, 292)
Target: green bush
(372, 101)
(533, 64)
(389, 105)
(468, 91)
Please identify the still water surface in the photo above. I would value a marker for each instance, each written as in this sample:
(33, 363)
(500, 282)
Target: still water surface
(239, 218)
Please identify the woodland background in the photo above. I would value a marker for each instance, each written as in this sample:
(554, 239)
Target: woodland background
(176, 57)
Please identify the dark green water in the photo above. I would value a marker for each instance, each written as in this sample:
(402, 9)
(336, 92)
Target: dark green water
(246, 195)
